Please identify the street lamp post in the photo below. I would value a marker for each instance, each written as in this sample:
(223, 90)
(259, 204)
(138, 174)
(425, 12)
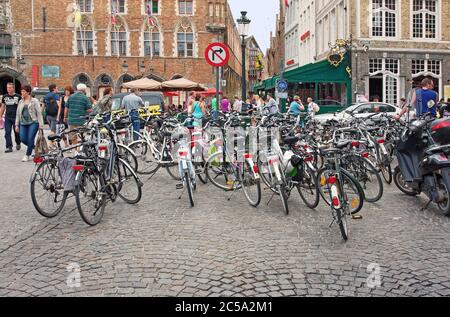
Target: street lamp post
(124, 67)
(243, 25)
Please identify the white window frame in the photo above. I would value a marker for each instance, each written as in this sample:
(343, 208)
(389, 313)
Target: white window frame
(183, 29)
(157, 28)
(87, 12)
(94, 38)
(383, 11)
(177, 6)
(109, 37)
(438, 22)
(144, 9)
(387, 73)
(118, 13)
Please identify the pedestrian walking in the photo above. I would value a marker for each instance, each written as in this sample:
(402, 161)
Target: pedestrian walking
(68, 91)
(424, 100)
(28, 120)
(225, 105)
(296, 107)
(104, 105)
(131, 103)
(312, 107)
(214, 109)
(76, 109)
(52, 103)
(272, 105)
(237, 105)
(9, 105)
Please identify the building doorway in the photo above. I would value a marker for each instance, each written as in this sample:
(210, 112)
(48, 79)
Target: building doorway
(376, 88)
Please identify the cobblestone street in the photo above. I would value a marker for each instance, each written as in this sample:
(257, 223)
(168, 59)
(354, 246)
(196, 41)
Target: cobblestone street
(161, 247)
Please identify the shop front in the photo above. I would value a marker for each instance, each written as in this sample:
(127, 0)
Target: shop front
(322, 81)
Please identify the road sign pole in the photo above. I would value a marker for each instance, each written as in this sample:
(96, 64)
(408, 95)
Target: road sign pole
(217, 89)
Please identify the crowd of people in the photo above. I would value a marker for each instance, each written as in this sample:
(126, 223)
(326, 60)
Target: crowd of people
(24, 115)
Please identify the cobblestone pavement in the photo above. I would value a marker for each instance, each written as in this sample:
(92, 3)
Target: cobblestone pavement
(161, 247)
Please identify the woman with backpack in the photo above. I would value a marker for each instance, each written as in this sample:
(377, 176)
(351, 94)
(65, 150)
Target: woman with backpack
(104, 105)
(52, 104)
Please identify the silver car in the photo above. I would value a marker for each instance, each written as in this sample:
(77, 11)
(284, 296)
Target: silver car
(360, 110)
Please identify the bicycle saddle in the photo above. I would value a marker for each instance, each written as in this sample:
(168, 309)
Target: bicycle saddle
(54, 137)
(290, 140)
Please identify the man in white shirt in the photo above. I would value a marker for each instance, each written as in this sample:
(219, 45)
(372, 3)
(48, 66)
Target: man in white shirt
(237, 105)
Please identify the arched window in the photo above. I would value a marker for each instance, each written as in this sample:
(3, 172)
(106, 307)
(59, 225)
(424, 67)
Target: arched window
(85, 36)
(151, 36)
(83, 78)
(101, 83)
(185, 39)
(118, 36)
(125, 78)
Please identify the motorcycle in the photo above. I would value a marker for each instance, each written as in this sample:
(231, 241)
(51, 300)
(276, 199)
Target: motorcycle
(423, 153)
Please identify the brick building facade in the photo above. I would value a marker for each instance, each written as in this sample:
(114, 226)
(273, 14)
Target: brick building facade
(275, 54)
(110, 42)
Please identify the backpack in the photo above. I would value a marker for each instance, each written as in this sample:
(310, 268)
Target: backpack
(51, 107)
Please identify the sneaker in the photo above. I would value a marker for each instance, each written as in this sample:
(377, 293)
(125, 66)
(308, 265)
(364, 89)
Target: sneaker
(26, 158)
(8, 150)
(18, 147)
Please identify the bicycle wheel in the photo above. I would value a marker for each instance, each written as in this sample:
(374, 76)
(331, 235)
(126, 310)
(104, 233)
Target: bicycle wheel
(352, 189)
(147, 163)
(341, 216)
(129, 186)
(266, 173)
(90, 196)
(200, 172)
(128, 155)
(386, 172)
(220, 172)
(47, 192)
(284, 198)
(189, 187)
(367, 176)
(251, 186)
(308, 189)
(173, 170)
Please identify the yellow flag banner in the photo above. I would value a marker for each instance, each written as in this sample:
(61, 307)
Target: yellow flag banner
(77, 19)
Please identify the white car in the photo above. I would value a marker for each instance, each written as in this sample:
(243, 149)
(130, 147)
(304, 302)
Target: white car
(360, 110)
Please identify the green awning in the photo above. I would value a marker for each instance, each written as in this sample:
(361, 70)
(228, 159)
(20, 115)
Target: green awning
(318, 72)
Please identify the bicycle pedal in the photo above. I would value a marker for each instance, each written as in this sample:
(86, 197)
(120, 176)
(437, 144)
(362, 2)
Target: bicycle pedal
(357, 217)
(179, 186)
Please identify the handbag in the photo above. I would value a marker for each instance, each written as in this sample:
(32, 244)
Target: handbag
(41, 147)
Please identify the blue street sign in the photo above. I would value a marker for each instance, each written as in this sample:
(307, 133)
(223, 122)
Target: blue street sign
(282, 85)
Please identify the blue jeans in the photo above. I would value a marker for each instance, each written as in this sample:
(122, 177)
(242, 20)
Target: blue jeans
(28, 135)
(10, 124)
(214, 115)
(136, 122)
